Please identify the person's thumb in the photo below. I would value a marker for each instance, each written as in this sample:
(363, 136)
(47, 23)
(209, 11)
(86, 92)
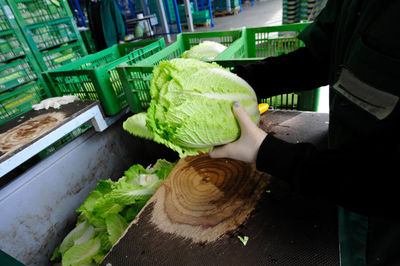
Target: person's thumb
(220, 152)
(241, 115)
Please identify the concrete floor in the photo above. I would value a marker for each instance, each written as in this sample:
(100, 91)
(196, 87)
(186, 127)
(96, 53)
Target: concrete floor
(262, 13)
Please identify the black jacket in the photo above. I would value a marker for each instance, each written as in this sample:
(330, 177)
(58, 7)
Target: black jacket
(354, 46)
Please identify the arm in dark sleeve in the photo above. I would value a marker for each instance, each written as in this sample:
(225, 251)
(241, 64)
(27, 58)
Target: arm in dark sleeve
(304, 69)
(362, 178)
(293, 72)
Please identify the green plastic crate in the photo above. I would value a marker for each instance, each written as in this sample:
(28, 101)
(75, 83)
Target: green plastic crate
(201, 16)
(267, 41)
(20, 100)
(94, 77)
(221, 4)
(16, 73)
(10, 46)
(60, 56)
(51, 34)
(136, 76)
(29, 12)
(270, 41)
(12, 42)
(4, 20)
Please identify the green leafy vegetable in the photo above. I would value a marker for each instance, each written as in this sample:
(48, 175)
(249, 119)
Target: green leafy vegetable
(107, 212)
(205, 50)
(76, 233)
(116, 225)
(191, 106)
(82, 253)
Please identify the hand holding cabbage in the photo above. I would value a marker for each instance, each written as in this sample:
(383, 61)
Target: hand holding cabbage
(247, 146)
(191, 106)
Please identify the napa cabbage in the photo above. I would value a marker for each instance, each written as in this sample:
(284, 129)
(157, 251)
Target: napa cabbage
(191, 106)
(205, 50)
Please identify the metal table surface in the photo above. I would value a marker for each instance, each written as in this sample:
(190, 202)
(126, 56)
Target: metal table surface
(284, 229)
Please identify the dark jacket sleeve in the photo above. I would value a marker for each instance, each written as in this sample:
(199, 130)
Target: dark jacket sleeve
(361, 178)
(304, 69)
(293, 72)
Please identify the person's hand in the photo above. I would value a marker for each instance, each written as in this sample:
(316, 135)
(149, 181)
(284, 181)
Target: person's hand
(247, 146)
(121, 42)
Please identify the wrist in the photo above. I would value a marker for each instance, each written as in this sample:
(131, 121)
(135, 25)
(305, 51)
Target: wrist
(259, 137)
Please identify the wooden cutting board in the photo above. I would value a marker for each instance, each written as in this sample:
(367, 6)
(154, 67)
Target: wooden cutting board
(202, 201)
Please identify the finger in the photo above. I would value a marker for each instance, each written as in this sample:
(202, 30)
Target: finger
(220, 152)
(242, 116)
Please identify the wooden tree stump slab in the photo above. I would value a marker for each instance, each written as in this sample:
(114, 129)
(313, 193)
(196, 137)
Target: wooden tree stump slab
(203, 200)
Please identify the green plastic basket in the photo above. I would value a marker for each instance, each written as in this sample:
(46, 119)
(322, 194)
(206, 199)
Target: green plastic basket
(94, 77)
(10, 46)
(201, 16)
(51, 34)
(29, 12)
(135, 77)
(60, 56)
(20, 100)
(4, 24)
(12, 42)
(221, 4)
(270, 41)
(267, 41)
(16, 73)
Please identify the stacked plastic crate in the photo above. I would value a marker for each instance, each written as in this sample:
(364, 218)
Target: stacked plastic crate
(295, 11)
(221, 7)
(200, 14)
(20, 83)
(50, 31)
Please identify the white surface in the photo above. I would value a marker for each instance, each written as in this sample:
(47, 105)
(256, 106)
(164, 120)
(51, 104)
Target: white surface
(323, 105)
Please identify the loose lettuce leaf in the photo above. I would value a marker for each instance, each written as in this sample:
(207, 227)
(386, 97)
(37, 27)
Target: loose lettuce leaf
(81, 253)
(116, 225)
(76, 233)
(134, 172)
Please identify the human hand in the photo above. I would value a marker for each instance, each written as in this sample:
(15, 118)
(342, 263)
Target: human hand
(247, 146)
(121, 42)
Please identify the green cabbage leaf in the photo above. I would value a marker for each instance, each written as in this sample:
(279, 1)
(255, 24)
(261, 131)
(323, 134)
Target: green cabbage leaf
(205, 50)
